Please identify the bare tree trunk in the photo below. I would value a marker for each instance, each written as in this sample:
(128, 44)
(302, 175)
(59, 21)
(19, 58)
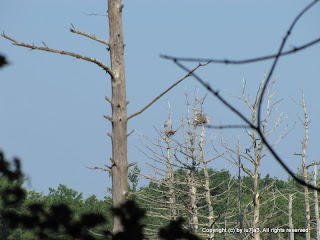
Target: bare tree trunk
(192, 172)
(291, 234)
(239, 190)
(255, 177)
(307, 210)
(119, 110)
(193, 203)
(169, 170)
(316, 203)
(208, 199)
(304, 166)
(256, 202)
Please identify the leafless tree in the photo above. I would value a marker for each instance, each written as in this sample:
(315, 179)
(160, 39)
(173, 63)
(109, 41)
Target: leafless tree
(291, 234)
(304, 144)
(316, 202)
(256, 151)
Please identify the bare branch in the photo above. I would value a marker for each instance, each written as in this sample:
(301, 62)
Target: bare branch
(95, 14)
(312, 164)
(100, 168)
(47, 49)
(225, 126)
(130, 133)
(94, 37)
(108, 99)
(132, 164)
(163, 93)
(107, 117)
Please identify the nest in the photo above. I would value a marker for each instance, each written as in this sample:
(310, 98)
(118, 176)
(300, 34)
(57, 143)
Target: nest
(200, 119)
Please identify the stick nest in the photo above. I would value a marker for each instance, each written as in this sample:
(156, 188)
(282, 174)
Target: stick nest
(201, 118)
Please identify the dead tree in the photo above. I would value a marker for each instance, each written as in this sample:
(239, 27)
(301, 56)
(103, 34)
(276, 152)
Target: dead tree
(304, 145)
(256, 151)
(316, 202)
(170, 170)
(164, 207)
(290, 200)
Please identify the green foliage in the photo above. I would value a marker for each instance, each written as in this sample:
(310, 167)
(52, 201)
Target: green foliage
(133, 179)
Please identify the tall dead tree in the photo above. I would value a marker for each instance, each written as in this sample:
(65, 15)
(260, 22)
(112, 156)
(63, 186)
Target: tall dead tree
(303, 154)
(316, 202)
(256, 151)
(305, 169)
(290, 200)
(119, 168)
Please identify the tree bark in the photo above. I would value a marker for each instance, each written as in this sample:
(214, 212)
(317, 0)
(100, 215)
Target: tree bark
(316, 203)
(291, 234)
(119, 110)
(304, 166)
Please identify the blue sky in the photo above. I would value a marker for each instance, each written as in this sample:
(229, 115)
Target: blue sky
(52, 105)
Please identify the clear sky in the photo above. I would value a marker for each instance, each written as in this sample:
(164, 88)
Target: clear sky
(52, 105)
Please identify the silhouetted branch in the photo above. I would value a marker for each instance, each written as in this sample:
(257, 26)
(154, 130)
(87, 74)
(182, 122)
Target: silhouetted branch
(245, 61)
(256, 59)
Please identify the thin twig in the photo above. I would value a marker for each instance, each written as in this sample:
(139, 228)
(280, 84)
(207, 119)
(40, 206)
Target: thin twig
(225, 126)
(73, 30)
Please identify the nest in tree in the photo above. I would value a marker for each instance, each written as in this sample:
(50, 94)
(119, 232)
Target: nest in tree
(201, 118)
(169, 132)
